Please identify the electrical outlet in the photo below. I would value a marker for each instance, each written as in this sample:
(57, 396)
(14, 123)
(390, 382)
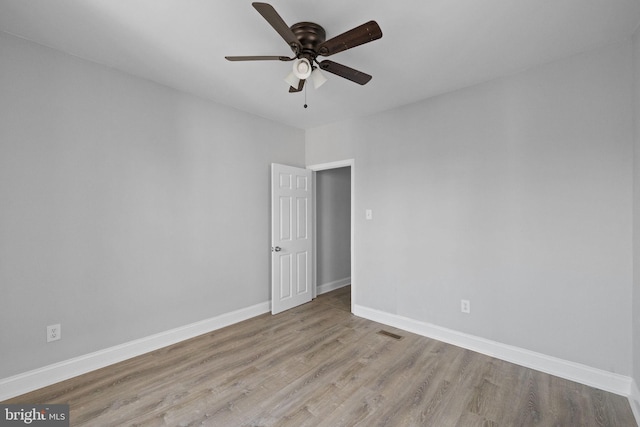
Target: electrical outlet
(54, 332)
(465, 306)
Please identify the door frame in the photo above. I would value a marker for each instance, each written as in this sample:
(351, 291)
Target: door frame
(335, 165)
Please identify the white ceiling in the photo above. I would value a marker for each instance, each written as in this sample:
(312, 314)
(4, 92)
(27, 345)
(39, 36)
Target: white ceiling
(428, 46)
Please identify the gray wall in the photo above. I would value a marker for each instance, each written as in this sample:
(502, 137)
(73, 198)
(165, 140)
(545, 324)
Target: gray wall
(333, 225)
(636, 215)
(127, 208)
(515, 194)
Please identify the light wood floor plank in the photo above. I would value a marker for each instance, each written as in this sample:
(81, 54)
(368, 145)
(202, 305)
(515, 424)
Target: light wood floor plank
(318, 365)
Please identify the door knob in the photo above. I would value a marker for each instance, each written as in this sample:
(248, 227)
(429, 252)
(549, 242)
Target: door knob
(276, 249)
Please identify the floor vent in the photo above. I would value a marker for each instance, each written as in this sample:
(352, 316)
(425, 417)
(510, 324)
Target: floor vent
(390, 334)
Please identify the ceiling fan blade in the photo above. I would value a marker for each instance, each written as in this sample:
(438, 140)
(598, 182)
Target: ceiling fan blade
(258, 58)
(346, 72)
(269, 13)
(362, 34)
(298, 89)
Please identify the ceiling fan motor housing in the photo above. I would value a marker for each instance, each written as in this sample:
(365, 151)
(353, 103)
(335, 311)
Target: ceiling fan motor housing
(310, 35)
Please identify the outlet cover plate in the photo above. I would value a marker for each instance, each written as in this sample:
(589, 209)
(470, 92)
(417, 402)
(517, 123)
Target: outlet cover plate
(465, 306)
(54, 332)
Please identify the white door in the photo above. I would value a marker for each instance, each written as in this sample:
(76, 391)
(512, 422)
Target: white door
(291, 237)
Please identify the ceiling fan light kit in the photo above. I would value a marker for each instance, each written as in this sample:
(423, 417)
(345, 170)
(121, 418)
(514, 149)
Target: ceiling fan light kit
(317, 78)
(302, 68)
(292, 79)
(307, 41)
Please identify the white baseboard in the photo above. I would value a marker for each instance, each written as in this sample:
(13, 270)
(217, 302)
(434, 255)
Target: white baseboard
(51, 374)
(604, 380)
(332, 286)
(634, 401)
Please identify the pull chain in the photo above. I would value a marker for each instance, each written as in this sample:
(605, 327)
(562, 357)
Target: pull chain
(305, 96)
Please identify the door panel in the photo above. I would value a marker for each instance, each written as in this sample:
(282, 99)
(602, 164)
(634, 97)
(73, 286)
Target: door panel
(302, 266)
(291, 246)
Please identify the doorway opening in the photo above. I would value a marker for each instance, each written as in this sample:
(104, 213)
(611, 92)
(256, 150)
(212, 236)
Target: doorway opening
(334, 229)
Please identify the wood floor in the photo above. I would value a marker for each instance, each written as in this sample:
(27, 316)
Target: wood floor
(318, 365)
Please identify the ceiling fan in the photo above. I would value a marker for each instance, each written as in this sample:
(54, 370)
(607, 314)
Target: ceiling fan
(307, 41)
